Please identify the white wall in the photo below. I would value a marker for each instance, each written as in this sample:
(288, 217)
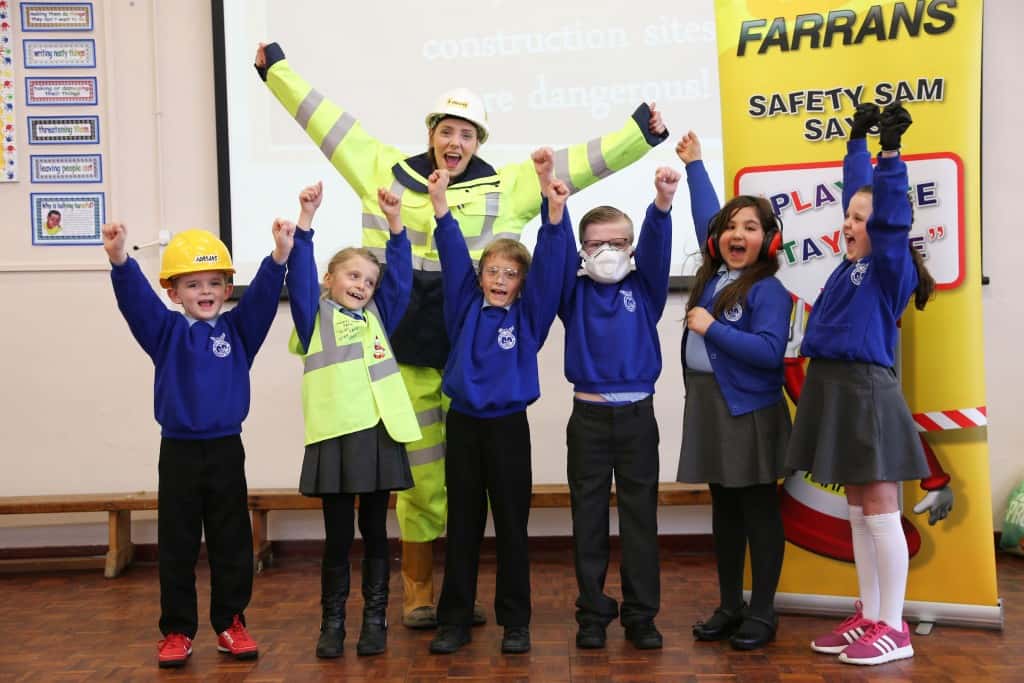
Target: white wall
(77, 406)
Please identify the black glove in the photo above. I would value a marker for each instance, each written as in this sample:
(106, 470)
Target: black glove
(864, 119)
(892, 123)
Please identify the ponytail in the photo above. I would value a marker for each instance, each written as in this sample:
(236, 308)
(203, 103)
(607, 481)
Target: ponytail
(925, 282)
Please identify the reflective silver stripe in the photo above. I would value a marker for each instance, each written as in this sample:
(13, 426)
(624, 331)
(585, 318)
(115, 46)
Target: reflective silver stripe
(339, 354)
(425, 264)
(397, 189)
(486, 236)
(306, 108)
(379, 253)
(375, 222)
(430, 416)
(425, 455)
(416, 238)
(331, 352)
(562, 168)
(338, 131)
(598, 165)
(383, 369)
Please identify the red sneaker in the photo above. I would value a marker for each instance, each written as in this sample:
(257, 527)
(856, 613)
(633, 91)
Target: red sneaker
(174, 650)
(237, 642)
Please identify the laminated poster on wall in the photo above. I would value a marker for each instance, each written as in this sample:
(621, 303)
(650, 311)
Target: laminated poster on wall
(59, 54)
(67, 218)
(54, 17)
(9, 149)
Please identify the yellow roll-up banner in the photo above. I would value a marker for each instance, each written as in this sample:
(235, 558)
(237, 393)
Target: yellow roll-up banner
(792, 73)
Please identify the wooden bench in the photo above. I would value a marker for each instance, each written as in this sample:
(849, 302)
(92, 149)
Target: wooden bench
(119, 507)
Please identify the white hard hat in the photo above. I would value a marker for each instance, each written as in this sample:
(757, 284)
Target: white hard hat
(464, 104)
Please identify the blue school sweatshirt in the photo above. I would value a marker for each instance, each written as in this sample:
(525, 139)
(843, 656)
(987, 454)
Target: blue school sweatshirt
(745, 345)
(391, 296)
(492, 367)
(201, 388)
(855, 315)
(611, 333)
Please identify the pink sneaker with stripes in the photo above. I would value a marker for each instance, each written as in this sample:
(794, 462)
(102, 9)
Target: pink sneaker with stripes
(839, 638)
(880, 644)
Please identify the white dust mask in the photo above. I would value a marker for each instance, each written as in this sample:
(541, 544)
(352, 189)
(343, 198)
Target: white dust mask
(607, 265)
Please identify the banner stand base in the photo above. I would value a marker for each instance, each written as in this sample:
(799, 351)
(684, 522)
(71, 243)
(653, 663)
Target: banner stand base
(945, 613)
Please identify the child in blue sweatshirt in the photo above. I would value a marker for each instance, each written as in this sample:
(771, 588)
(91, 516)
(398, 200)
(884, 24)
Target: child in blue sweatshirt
(852, 424)
(736, 421)
(610, 310)
(497, 322)
(202, 359)
(358, 416)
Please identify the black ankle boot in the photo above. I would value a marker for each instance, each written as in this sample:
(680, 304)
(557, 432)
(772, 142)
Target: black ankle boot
(334, 585)
(373, 636)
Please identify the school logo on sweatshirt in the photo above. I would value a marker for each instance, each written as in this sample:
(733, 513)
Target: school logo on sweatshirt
(858, 272)
(734, 313)
(221, 347)
(628, 301)
(507, 337)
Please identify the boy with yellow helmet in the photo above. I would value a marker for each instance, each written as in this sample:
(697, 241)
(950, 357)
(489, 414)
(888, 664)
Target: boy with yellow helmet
(488, 203)
(202, 360)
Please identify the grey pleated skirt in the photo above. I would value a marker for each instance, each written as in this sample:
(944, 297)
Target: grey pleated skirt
(853, 426)
(361, 462)
(719, 448)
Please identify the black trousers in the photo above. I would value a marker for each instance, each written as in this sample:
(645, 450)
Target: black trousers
(602, 441)
(339, 525)
(742, 515)
(487, 458)
(202, 487)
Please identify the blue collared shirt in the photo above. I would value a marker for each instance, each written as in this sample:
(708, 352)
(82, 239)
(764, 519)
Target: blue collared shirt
(696, 350)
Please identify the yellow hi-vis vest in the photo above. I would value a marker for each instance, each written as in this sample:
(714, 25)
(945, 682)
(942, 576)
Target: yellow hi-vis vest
(486, 208)
(351, 379)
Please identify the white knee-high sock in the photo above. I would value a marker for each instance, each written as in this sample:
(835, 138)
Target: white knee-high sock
(893, 562)
(864, 561)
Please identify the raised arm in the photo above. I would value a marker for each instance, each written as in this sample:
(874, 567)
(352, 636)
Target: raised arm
(704, 202)
(857, 162)
(392, 296)
(302, 280)
(256, 309)
(458, 280)
(544, 283)
(583, 164)
(146, 315)
(654, 248)
(351, 150)
(891, 213)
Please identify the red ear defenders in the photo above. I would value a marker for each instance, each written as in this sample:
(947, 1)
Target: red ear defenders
(770, 247)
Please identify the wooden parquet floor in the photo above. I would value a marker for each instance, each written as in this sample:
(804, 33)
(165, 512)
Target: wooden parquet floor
(78, 626)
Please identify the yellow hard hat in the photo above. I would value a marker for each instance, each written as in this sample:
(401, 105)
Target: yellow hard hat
(193, 251)
(461, 103)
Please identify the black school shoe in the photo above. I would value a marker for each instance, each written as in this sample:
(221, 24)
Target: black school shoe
(591, 637)
(755, 632)
(644, 635)
(449, 639)
(722, 624)
(516, 640)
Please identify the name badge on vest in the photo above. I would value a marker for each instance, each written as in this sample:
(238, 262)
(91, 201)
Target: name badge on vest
(347, 330)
